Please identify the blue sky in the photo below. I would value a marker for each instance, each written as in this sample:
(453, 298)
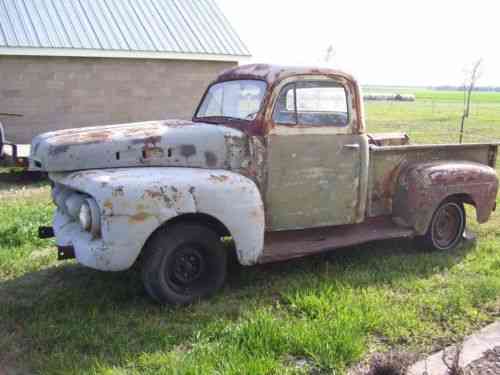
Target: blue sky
(424, 42)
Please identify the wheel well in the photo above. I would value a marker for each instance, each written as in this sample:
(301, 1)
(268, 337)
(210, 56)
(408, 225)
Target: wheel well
(423, 219)
(464, 198)
(200, 218)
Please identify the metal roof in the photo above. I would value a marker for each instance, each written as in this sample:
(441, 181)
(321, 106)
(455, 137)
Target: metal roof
(154, 26)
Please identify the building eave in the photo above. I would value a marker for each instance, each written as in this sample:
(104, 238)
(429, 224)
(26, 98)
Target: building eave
(97, 53)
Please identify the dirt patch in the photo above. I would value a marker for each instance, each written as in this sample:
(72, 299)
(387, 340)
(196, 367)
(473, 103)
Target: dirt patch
(390, 363)
(21, 177)
(487, 365)
(8, 369)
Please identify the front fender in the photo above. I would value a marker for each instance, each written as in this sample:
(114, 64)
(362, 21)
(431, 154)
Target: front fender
(422, 187)
(134, 202)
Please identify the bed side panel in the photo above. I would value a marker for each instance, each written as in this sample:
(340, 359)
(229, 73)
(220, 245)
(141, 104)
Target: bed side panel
(386, 164)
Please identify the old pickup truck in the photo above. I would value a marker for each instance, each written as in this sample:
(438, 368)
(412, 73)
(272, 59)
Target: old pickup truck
(276, 159)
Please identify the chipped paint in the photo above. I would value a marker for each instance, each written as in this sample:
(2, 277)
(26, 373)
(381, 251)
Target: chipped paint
(188, 150)
(151, 197)
(139, 217)
(421, 188)
(157, 143)
(211, 159)
(387, 164)
(108, 204)
(218, 178)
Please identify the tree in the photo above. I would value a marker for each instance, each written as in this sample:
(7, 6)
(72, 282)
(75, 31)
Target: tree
(330, 54)
(471, 79)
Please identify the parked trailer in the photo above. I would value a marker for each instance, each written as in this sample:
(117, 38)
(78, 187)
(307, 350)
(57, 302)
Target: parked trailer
(11, 154)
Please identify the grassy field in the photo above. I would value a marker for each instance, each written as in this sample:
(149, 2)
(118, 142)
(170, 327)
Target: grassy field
(436, 115)
(321, 313)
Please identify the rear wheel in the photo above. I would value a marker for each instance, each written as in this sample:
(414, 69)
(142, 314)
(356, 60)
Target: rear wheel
(183, 264)
(447, 226)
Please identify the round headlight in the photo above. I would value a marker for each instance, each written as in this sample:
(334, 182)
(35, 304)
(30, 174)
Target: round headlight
(85, 216)
(90, 218)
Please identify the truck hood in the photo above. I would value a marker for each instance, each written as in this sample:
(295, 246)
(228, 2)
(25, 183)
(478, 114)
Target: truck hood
(174, 143)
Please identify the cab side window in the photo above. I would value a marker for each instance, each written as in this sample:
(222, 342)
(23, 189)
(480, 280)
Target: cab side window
(313, 103)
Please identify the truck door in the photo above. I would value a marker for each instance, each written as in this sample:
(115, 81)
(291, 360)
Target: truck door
(314, 159)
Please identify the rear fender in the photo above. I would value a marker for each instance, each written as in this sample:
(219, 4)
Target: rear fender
(422, 187)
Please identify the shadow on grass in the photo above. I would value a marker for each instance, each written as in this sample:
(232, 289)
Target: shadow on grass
(18, 176)
(17, 179)
(71, 317)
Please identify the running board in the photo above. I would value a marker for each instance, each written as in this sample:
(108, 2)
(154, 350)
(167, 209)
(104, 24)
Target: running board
(284, 245)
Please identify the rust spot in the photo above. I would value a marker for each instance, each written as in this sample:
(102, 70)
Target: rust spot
(389, 139)
(188, 150)
(210, 158)
(118, 191)
(108, 204)
(153, 194)
(218, 178)
(79, 137)
(151, 140)
(139, 217)
(57, 150)
(152, 152)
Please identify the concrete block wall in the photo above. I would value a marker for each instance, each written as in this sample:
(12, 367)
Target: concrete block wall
(64, 92)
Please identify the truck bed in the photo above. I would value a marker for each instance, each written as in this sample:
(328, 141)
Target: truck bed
(386, 163)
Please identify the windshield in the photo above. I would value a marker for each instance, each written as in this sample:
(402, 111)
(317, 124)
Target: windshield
(235, 99)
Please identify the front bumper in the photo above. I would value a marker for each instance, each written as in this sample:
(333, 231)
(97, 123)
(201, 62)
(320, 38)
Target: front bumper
(88, 251)
(63, 252)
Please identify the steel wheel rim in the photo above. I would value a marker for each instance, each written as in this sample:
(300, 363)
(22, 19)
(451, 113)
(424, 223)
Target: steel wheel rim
(187, 268)
(447, 226)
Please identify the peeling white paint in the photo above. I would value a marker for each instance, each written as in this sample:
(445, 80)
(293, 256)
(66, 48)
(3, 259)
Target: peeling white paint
(135, 202)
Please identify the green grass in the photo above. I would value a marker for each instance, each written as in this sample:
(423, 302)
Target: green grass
(480, 97)
(332, 310)
(421, 94)
(20, 249)
(436, 121)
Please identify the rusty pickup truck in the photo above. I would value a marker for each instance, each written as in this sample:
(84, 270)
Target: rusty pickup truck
(276, 159)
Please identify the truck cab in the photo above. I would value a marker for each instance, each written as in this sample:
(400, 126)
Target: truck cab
(276, 159)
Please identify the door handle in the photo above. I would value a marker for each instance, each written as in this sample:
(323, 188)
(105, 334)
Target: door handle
(353, 146)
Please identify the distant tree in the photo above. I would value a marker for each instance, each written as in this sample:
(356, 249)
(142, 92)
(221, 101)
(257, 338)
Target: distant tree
(471, 78)
(330, 54)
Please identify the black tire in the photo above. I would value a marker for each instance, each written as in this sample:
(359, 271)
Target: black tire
(183, 263)
(447, 226)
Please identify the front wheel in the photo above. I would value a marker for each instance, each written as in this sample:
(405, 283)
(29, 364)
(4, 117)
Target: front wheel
(183, 264)
(447, 226)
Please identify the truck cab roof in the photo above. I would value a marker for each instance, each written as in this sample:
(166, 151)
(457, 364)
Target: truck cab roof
(273, 74)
